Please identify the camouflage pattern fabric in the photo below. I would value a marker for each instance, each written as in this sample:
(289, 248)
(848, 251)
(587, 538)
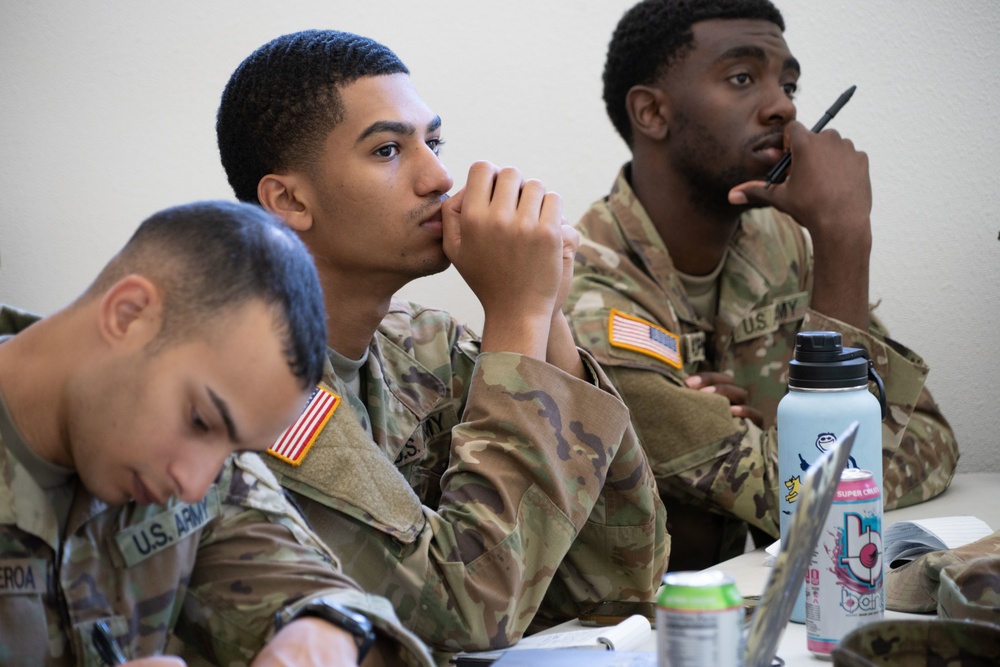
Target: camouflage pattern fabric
(214, 572)
(715, 471)
(971, 590)
(957, 583)
(13, 320)
(920, 643)
(494, 491)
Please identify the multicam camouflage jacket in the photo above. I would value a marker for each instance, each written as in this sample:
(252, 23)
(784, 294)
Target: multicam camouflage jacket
(214, 572)
(493, 490)
(920, 642)
(710, 467)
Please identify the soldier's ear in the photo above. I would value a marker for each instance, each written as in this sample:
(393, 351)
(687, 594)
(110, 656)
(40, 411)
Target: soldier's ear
(289, 196)
(130, 313)
(648, 111)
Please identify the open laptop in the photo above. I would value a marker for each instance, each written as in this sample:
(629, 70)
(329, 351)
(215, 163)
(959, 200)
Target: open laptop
(819, 486)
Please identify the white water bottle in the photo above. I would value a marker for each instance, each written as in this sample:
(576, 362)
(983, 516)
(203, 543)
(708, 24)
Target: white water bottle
(827, 390)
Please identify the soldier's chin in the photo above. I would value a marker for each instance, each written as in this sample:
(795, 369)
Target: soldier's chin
(112, 498)
(434, 267)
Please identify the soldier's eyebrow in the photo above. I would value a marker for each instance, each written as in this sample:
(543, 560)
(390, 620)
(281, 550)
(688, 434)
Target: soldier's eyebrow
(227, 418)
(396, 127)
(757, 53)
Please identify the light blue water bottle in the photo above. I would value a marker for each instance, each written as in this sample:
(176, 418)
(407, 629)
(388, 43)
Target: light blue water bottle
(827, 390)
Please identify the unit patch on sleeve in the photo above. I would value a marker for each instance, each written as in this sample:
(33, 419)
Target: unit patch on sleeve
(694, 347)
(638, 335)
(292, 446)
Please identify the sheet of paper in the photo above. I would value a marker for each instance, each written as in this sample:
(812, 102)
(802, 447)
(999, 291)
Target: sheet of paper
(954, 531)
(627, 635)
(907, 540)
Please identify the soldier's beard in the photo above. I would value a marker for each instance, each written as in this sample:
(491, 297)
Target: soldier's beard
(695, 148)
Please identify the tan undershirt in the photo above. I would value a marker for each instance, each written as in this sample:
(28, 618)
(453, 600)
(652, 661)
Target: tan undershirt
(703, 291)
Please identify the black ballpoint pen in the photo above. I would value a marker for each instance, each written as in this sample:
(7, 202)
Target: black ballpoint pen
(777, 172)
(105, 644)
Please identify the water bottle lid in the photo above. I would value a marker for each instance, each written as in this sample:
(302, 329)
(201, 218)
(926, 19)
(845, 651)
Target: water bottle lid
(822, 362)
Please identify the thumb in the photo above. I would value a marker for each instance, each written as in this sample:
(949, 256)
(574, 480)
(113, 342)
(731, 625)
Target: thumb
(453, 204)
(752, 192)
(451, 227)
(571, 241)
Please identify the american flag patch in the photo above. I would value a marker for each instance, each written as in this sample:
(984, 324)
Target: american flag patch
(293, 444)
(633, 333)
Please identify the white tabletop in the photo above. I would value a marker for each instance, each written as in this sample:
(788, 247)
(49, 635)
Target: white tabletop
(972, 494)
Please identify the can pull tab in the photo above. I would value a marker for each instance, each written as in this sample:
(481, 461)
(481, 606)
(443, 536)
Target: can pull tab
(874, 377)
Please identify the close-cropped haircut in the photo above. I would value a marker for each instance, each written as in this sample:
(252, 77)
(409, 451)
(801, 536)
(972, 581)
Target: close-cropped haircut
(209, 258)
(283, 100)
(653, 34)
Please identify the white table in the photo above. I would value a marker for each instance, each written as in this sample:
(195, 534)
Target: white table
(972, 493)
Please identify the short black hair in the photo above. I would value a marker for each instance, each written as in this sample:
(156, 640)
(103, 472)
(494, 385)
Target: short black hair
(209, 258)
(652, 34)
(283, 100)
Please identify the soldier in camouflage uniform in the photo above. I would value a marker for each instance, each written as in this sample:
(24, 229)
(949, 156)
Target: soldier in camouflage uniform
(480, 485)
(686, 282)
(117, 414)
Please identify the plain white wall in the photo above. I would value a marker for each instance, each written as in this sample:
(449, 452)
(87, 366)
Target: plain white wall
(107, 115)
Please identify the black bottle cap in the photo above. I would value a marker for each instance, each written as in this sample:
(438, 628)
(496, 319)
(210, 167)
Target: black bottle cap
(822, 362)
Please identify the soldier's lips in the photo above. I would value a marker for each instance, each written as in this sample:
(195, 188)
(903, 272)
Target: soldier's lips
(770, 155)
(770, 150)
(141, 493)
(433, 223)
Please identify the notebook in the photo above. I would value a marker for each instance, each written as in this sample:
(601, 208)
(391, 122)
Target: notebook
(819, 486)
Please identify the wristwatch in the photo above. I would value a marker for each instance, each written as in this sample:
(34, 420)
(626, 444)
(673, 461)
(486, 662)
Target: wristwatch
(356, 624)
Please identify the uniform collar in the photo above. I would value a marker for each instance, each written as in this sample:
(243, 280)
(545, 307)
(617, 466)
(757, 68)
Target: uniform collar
(745, 259)
(26, 504)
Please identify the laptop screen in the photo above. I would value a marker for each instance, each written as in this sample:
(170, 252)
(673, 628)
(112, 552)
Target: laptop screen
(819, 486)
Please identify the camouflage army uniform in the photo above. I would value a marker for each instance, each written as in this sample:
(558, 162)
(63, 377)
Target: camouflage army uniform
(707, 464)
(928, 642)
(214, 572)
(487, 482)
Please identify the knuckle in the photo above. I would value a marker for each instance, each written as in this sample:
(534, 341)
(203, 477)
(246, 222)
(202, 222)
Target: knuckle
(510, 173)
(553, 199)
(533, 184)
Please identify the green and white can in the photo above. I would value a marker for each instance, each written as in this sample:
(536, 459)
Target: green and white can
(699, 620)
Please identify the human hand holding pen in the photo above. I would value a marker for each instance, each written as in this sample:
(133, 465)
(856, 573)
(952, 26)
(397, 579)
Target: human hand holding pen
(750, 193)
(829, 184)
(779, 171)
(829, 193)
(111, 654)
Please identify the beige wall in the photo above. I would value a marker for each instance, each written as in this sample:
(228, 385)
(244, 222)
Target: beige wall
(107, 114)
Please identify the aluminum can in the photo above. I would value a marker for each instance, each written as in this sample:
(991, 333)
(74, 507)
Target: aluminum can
(843, 586)
(699, 620)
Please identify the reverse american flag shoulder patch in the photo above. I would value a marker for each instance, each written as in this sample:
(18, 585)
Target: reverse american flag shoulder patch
(295, 442)
(638, 335)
